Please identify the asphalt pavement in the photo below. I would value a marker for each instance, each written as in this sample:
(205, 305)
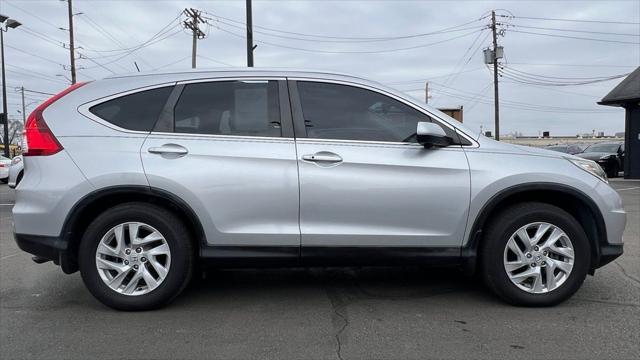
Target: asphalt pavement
(320, 313)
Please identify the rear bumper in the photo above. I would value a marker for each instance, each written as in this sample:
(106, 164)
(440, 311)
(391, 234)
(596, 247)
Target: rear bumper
(48, 247)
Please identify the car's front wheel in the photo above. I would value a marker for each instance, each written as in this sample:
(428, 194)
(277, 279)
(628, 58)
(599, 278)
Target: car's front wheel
(136, 257)
(535, 254)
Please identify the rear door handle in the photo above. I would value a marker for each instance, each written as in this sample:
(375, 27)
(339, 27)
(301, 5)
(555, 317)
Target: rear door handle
(169, 149)
(323, 157)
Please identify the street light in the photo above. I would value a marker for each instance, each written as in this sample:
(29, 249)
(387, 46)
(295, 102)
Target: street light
(5, 24)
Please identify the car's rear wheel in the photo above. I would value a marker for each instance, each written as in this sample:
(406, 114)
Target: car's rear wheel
(136, 257)
(535, 254)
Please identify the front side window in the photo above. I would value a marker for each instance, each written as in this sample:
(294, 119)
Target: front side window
(138, 111)
(244, 108)
(334, 111)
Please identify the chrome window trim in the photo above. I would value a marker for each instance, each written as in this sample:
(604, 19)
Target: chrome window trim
(83, 109)
(159, 134)
(399, 145)
(441, 121)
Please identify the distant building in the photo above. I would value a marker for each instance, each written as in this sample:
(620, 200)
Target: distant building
(627, 95)
(455, 112)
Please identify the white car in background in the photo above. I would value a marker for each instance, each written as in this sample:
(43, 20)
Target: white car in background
(4, 168)
(16, 169)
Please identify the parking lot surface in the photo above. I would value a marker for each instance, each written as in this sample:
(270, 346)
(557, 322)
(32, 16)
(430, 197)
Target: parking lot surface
(334, 313)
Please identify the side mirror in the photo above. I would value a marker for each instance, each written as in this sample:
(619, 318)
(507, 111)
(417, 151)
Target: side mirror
(429, 134)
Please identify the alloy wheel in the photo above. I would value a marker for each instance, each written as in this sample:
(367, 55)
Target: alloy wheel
(539, 257)
(133, 258)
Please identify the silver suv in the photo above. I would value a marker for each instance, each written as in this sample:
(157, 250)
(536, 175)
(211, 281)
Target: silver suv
(135, 180)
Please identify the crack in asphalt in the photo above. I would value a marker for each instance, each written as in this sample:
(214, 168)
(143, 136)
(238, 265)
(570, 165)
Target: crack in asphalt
(338, 304)
(625, 274)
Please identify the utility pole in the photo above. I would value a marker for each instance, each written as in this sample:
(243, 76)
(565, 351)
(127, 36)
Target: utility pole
(426, 92)
(24, 114)
(193, 24)
(495, 76)
(72, 48)
(250, 46)
(5, 118)
(5, 25)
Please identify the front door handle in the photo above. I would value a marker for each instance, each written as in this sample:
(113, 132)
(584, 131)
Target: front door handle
(169, 149)
(323, 157)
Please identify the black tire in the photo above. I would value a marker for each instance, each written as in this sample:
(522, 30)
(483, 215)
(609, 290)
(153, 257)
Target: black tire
(613, 171)
(176, 235)
(4, 181)
(508, 222)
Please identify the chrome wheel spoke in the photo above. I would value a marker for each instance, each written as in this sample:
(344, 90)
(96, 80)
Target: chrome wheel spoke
(515, 248)
(116, 282)
(159, 268)
(159, 250)
(542, 229)
(537, 281)
(524, 237)
(105, 249)
(154, 236)
(562, 251)
(137, 266)
(546, 261)
(133, 232)
(514, 265)
(550, 274)
(110, 265)
(133, 283)
(151, 282)
(565, 267)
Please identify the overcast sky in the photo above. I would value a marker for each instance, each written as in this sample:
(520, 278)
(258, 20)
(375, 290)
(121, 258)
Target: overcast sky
(353, 37)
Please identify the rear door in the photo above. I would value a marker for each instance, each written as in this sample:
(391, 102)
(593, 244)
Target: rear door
(364, 181)
(226, 148)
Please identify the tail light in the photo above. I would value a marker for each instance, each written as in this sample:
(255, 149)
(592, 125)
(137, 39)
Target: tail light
(40, 141)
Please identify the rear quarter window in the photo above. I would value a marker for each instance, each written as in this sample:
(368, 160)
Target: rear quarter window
(138, 111)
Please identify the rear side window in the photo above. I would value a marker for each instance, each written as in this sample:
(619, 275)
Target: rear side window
(138, 111)
(244, 108)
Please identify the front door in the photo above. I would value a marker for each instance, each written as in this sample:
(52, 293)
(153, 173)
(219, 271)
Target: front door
(365, 182)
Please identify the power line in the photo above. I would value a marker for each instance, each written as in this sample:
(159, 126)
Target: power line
(345, 37)
(573, 30)
(330, 40)
(34, 55)
(351, 52)
(528, 79)
(573, 65)
(104, 32)
(214, 60)
(456, 74)
(562, 78)
(573, 20)
(148, 42)
(576, 37)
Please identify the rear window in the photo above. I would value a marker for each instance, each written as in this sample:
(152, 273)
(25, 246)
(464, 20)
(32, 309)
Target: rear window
(138, 111)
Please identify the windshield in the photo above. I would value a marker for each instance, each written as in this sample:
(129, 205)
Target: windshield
(609, 148)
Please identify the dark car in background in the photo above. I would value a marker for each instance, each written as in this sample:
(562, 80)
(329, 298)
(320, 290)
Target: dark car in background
(609, 155)
(565, 148)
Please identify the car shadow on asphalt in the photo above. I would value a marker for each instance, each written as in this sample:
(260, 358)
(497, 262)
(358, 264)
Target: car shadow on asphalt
(343, 285)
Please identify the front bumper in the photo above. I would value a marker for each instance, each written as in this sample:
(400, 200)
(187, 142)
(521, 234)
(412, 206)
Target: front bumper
(48, 247)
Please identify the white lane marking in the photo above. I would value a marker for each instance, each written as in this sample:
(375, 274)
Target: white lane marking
(9, 204)
(631, 188)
